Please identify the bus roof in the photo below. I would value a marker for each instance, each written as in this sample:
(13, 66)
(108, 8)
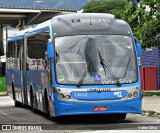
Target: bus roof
(89, 23)
(31, 31)
(79, 24)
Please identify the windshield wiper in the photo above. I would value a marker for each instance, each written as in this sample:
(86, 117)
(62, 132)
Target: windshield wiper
(84, 75)
(57, 56)
(107, 68)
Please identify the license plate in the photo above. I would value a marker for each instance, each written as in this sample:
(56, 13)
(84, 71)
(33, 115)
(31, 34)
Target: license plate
(100, 108)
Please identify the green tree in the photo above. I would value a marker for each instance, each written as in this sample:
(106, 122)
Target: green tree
(144, 19)
(115, 7)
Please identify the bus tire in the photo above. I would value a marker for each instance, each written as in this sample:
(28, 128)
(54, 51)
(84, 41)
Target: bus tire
(13, 91)
(31, 97)
(47, 108)
(16, 103)
(34, 104)
(121, 116)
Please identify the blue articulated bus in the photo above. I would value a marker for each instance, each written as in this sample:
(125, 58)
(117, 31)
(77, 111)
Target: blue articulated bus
(76, 64)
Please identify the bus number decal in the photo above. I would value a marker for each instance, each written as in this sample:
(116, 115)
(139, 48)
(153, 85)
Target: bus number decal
(118, 94)
(81, 94)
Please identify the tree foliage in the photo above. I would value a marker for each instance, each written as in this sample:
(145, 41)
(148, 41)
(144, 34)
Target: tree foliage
(115, 7)
(144, 19)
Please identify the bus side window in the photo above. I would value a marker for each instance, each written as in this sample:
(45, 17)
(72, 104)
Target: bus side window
(37, 46)
(18, 53)
(11, 55)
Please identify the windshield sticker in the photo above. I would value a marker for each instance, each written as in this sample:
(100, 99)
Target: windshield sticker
(61, 78)
(129, 47)
(97, 77)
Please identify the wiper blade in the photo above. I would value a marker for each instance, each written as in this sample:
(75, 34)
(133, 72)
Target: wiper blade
(102, 62)
(57, 57)
(84, 75)
(107, 68)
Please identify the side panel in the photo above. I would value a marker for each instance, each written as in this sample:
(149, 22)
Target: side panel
(28, 69)
(14, 80)
(13, 70)
(37, 70)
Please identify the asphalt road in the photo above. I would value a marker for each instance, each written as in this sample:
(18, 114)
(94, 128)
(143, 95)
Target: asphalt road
(17, 115)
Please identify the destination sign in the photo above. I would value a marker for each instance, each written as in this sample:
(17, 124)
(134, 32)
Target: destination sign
(98, 90)
(91, 20)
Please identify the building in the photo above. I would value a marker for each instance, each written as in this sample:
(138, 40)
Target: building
(20, 13)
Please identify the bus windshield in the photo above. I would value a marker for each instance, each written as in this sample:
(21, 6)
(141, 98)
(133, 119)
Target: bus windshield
(77, 57)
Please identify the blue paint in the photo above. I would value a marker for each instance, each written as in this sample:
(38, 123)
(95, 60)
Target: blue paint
(50, 51)
(99, 95)
(79, 108)
(139, 49)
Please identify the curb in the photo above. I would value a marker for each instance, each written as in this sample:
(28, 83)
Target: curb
(150, 113)
(151, 93)
(3, 93)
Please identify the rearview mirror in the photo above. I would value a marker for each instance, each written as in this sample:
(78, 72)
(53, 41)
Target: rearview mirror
(138, 47)
(50, 50)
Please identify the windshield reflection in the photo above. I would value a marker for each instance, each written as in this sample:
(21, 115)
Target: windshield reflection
(74, 54)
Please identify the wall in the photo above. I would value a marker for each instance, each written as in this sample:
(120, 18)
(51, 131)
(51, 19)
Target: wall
(152, 58)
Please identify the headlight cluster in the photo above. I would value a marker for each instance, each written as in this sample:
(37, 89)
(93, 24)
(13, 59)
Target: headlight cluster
(132, 95)
(135, 94)
(129, 95)
(62, 96)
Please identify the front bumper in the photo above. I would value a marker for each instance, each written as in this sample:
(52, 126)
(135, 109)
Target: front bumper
(113, 107)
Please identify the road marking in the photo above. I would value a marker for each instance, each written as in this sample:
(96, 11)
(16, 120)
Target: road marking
(8, 116)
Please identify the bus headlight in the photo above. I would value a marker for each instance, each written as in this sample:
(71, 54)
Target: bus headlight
(60, 96)
(129, 95)
(135, 94)
(68, 97)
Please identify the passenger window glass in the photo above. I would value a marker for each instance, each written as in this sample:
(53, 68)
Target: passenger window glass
(13, 54)
(37, 47)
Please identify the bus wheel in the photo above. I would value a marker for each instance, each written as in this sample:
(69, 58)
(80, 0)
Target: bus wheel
(121, 116)
(16, 103)
(47, 108)
(31, 98)
(34, 104)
